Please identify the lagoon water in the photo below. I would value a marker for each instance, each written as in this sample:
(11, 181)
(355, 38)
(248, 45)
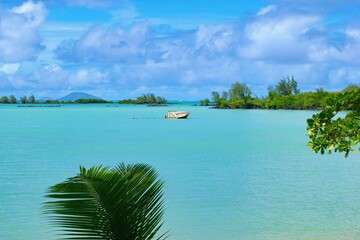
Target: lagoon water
(230, 174)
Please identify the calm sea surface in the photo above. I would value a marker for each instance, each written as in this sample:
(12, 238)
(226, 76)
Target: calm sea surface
(230, 174)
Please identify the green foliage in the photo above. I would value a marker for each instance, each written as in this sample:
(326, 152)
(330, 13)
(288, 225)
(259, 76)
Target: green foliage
(286, 95)
(306, 100)
(238, 96)
(12, 99)
(124, 203)
(216, 97)
(4, 99)
(32, 99)
(52, 101)
(284, 87)
(328, 133)
(149, 98)
(23, 100)
(351, 88)
(91, 100)
(160, 100)
(205, 102)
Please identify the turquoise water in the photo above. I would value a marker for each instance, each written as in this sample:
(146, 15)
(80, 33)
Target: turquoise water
(230, 174)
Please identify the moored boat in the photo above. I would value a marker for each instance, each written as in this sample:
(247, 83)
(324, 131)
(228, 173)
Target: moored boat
(177, 114)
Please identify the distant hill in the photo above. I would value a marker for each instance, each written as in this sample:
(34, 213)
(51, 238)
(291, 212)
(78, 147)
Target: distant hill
(77, 95)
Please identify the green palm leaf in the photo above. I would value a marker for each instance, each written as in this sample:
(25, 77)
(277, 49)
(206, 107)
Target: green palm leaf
(124, 203)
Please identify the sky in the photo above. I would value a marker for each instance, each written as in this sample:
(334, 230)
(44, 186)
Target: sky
(184, 50)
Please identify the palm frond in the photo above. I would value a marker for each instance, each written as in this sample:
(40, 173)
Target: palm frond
(124, 203)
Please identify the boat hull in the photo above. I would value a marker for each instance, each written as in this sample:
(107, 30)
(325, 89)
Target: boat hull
(177, 115)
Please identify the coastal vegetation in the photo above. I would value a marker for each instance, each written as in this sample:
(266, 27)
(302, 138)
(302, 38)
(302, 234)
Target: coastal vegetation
(342, 134)
(284, 95)
(89, 100)
(205, 102)
(123, 203)
(31, 100)
(5, 99)
(149, 98)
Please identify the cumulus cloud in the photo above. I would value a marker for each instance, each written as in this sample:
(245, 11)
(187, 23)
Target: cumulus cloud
(10, 68)
(343, 76)
(34, 13)
(54, 76)
(216, 40)
(277, 39)
(88, 77)
(19, 36)
(100, 44)
(283, 38)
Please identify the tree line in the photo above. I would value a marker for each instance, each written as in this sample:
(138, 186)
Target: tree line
(149, 98)
(12, 99)
(284, 95)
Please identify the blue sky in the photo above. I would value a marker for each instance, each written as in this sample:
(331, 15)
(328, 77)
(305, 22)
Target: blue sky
(119, 49)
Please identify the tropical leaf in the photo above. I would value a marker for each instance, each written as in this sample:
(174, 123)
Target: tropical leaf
(124, 203)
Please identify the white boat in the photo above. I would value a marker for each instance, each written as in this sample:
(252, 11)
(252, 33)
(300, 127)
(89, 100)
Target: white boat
(177, 114)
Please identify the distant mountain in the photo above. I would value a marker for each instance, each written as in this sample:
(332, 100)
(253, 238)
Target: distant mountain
(77, 95)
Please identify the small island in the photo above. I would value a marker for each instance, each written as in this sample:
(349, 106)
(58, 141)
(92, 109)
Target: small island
(149, 99)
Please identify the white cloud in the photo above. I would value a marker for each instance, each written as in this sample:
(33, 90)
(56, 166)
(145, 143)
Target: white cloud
(87, 77)
(19, 37)
(54, 77)
(125, 14)
(277, 39)
(10, 68)
(344, 76)
(354, 33)
(34, 13)
(266, 10)
(215, 38)
(100, 44)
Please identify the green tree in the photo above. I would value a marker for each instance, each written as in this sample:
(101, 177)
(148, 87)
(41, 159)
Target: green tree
(141, 99)
(160, 100)
(224, 96)
(239, 94)
(204, 102)
(124, 203)
(23, 100)
(12, 99)
(239, 91)
(284, 87)
(4, 99)
(150, 98)
(224, 103)
(328, 133)
(31, 99)
(351, 88)
(216, 98)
